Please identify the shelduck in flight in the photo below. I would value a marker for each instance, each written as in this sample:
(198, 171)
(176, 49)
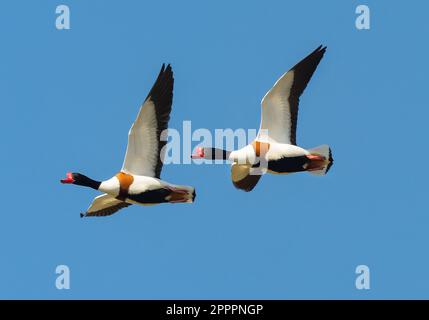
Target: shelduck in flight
(275, 150)
(139, 182)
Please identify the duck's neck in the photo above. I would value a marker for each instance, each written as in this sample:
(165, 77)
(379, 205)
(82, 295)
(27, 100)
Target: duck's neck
(87, 182)
(218, 154)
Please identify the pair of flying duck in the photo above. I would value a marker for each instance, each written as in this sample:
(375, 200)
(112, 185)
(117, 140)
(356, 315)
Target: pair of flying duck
(273, 151)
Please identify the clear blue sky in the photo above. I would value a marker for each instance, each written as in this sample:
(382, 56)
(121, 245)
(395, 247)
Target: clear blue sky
(68, 99)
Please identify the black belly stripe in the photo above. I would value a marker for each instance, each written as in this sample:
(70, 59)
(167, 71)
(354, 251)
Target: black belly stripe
(151, 196)
(122, 194)
(288, 164)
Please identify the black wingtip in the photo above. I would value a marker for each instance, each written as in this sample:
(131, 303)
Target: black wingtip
(162, 70)
(165, 68)
(82, 215)
(169, 70)
(165, 72)
(322, 48)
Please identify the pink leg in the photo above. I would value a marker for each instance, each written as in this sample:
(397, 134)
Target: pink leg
(315, 157)
(177, 190)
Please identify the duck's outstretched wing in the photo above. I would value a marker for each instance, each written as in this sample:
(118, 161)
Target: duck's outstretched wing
(280, 104)
(104, 205)
(143, 156)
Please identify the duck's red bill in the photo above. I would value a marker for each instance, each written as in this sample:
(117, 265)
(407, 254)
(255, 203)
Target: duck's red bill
(199, 154)
(68, 179)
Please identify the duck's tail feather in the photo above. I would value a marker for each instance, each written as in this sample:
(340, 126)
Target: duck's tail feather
(320, 168)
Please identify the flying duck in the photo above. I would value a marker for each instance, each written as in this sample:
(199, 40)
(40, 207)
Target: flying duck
(275, 149)
(139, 181)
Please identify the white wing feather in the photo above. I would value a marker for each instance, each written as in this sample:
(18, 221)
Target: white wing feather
(276, 116)
(143, 155)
